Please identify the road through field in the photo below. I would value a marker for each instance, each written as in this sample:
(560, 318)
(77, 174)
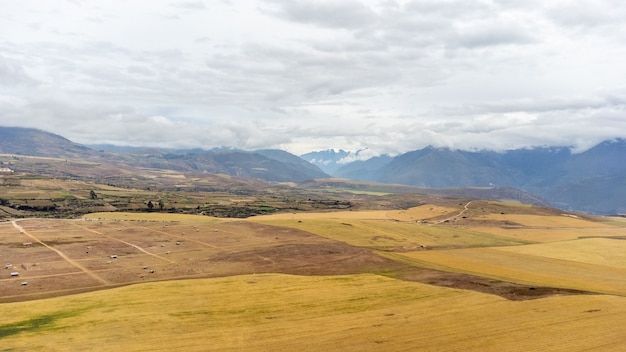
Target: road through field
(61, 254)
(465, 208)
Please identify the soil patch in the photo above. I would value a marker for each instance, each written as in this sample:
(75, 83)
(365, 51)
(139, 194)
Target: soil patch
(509, 290)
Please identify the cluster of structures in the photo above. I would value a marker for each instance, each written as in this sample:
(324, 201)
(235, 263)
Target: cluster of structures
(14, 273)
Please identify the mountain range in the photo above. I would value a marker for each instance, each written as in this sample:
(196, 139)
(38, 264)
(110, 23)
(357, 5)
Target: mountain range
(268, 165)
(593, 181)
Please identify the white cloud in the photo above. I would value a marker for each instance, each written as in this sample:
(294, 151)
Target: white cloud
(381, 76)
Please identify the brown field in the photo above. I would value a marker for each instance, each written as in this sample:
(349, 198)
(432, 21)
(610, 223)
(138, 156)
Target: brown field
(70, 255)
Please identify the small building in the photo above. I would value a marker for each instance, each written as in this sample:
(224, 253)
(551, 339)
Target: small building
(113, 256)
(15, 273)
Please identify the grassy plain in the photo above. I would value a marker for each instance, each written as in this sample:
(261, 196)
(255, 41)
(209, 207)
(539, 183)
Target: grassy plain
(273, 312)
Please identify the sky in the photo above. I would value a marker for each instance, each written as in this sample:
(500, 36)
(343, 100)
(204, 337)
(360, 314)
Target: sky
(377, 76)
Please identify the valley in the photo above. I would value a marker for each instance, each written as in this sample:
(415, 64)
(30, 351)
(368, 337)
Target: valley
(143, 252)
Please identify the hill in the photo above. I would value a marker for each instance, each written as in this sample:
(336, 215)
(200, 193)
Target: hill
(268, 165)
(30, 141)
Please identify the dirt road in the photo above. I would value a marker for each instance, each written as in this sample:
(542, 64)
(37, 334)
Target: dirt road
(61, 254)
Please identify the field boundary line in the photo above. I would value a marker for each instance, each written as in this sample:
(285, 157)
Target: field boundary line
(61, 254)
(126, 243)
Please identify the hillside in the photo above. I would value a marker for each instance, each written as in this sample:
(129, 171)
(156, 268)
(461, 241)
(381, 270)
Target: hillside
(29, 141)
(273, 166)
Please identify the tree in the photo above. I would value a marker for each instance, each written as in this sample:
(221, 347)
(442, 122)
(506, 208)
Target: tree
(161, 204)
(150, 205)
(93, 195)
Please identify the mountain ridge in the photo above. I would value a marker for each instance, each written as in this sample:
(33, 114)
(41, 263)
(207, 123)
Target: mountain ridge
(593, 181)
(554, 173)
(272, 166)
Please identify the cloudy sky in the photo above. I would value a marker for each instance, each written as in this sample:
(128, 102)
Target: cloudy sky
(386, 76)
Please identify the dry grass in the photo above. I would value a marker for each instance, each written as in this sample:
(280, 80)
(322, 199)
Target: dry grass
(149, 217)
(543, 220)
(591, 265)
(599, 251)
(286, 313)
(550, 234)
(414, 214)
(384, 233)
(422, 212)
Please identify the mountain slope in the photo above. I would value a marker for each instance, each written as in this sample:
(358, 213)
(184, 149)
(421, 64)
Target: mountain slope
(30, 141)
(363, 169)
(593, 181)
(276, 166)
(442, 167)
(300, 164)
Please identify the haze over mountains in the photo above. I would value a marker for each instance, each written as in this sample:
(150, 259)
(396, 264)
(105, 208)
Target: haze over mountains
(593, 181)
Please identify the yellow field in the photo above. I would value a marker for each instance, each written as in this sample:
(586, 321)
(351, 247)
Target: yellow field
(149, 217)
(551, 234)
(412, 214)
(543, 221)
(287, 313)
(384, 233)
(599, 251)
(422, 212)
(596, 265)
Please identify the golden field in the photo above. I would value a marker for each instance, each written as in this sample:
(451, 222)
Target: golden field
(273, 312)
(532, 266)
(387, 230)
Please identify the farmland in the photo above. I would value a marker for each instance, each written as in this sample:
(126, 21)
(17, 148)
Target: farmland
(454, 276)
(270, 312)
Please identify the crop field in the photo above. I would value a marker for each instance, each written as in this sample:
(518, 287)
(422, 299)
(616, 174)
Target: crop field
(597, 251)
(553, 234)
(274, 312)
(532, 267)
(413, 214)
(543, 220)
(386, 230)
